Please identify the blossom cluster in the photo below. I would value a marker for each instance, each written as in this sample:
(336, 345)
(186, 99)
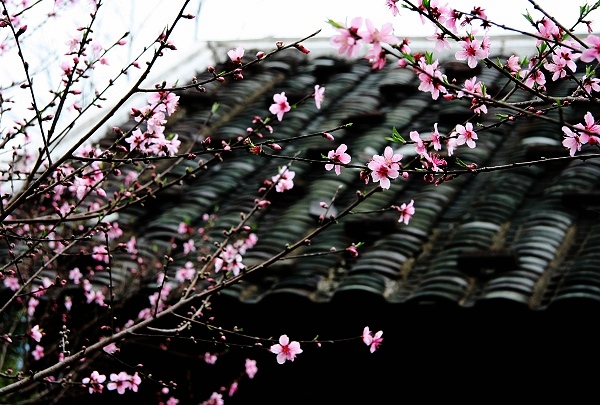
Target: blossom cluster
(230, 258)
(153, 141)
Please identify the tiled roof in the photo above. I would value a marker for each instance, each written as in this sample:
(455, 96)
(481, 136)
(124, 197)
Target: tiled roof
(527, 235)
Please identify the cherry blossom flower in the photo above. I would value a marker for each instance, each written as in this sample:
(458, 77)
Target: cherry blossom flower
(420, 147)
(236, 54)
(465, 135)
(352, 250)
(119, 382)
(284, 180)
(281, 105)
(319, 95)
(215, 399)
(391, 4)
(35, 333)
(187, 272)
(31, 306)
(210, 358)
(535, 77)
(94, 382)
(435, 137)
(572, 140)
(12, 283)
(38, 352)
(593, 52)
(100, 254)
(373, 341)
(233, 388)
(590, 127)
(590, 84)
(406, 211)
(188, 247)
(562, 62)
(376, 37)
(338, 156)
(110, 348)
(348, 40)
(251, 368)
(136, 380)
(286, 350)
(472, 51)
(385, 167)
(441, 42)
(513, 65)
(431, 79)
(547, 29)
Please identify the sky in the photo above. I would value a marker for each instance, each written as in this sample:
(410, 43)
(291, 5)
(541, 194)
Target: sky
(233, 20)
(270, 18)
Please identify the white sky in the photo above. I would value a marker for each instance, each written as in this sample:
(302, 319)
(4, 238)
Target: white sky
(237, 19)
(233, 20)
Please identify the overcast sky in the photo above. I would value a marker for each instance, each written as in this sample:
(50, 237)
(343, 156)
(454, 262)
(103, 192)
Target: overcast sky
(236, 19)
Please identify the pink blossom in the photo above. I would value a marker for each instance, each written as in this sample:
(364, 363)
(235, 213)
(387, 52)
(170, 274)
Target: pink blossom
(119, 382)
(391, 4)
(251, 368)
(376, 58)
(465, 135)
(100, 254)
(348, 40)
(35, 333)
(188, 247)
(94, 382)
(376, 37)
(135, 382)
(472, 51)
(593, 52)
(110, 348)
(233, 388)
(131, 246)
(441, 42)
(38, 352)
(431, 79)
(370, 340)
(338, 156)
(406, 212)
(187, 272)
(420, 147)
(590, 127)
(435, 138)
(284, 180)
(385, 167)
(215, 399)
(513, 64)
(31, 306)
(12, 283)
(281, 105)
(563, 61)
(286, 350)
(590, 84)
(319, 95)
(535, 77)
(572, 140)
(548, 29)
(210, 358)
(236, 54)
(352, 250)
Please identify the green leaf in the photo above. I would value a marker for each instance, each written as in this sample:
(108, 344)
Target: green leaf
(214, 108)
(334, 24)
(460, 162)
(396, 137)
